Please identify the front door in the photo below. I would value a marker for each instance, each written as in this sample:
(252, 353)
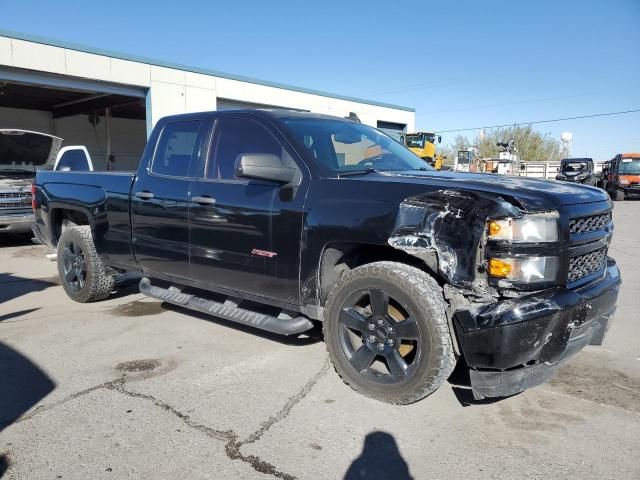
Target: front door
(245, 234)
(160, 201)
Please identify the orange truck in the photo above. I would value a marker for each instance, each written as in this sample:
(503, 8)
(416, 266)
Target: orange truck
(621, 176)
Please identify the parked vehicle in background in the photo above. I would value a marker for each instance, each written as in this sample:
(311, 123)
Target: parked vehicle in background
(22, 152)
(276, 218)
(577, 170)
(621, 176)
(423, 144)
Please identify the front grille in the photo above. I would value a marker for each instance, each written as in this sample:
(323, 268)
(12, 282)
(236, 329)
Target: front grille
(14, 200)
(582, 265)
(589, 224)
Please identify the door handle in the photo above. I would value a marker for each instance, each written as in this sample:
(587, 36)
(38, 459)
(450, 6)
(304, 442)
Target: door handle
(144, 195)
(204, 200)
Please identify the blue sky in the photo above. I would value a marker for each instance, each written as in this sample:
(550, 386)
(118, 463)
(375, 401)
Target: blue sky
(460, 64)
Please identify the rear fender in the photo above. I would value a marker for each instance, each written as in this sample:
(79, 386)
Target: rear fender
(86, 199)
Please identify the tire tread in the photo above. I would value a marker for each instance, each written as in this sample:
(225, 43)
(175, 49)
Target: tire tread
(99, 283)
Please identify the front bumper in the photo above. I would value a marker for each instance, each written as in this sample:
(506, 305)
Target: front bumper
(19, 223)
(519, 343)
(630, 190)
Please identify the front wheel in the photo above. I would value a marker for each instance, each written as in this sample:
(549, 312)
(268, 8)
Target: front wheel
(387, 333)
(81, 271)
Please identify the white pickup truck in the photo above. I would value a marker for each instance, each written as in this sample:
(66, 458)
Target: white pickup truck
(22, 153)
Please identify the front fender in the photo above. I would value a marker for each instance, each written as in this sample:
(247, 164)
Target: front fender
(444, 228)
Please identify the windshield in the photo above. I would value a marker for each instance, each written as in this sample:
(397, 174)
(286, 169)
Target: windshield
(629, 166)
(343, 146)
(417, 141)
(574, 166)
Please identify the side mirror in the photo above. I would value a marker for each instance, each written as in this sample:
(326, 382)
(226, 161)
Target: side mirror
(264, 166)
(439, 139)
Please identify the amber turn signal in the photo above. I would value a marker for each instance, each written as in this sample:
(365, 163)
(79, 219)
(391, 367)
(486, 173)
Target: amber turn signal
(494, 228)
(499, 268)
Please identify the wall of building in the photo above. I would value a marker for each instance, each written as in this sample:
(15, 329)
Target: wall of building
(128, 137)
(175, 90)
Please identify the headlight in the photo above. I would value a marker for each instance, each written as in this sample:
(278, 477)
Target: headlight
(532, 228)
(524, 269)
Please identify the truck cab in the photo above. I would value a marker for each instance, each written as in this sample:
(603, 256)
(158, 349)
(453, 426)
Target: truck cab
(423, 144)
(621, 176)
(577, 170)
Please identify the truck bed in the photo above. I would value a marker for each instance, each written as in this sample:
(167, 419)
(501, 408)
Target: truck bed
(104, 198)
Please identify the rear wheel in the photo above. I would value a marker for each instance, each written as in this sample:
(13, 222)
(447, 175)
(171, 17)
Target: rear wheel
(387, 333)
(81, 271)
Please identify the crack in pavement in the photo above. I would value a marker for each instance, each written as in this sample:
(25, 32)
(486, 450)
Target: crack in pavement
(233, 444)
(232, 448)
(43, 408)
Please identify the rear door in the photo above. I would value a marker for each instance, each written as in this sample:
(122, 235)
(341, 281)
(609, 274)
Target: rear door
(245, 234)
(160, 200)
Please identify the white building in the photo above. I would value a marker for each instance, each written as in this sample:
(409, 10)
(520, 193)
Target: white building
(110, 101)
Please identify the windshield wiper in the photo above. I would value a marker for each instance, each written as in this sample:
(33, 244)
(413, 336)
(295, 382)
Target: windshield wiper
(357, 172)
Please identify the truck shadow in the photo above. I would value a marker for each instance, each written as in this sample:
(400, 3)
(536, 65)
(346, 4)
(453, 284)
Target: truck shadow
(16, 240)
(23, 384)
(13, 286)
(380, 460)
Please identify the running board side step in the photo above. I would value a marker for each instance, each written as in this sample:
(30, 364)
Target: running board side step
(228, 311)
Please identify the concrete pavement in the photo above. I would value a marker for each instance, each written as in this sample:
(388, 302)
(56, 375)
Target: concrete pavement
(132, 388)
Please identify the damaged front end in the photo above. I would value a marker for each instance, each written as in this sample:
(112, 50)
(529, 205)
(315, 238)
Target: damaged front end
(522, 300)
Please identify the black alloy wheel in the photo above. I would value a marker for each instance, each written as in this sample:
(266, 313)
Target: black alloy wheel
(387, 332)
(378, 336)
(74, 266)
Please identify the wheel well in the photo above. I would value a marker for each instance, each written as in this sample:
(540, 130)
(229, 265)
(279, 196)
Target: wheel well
(62, 218)
(338, 258)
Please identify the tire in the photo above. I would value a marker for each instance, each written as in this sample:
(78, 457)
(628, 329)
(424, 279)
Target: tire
(81, 271)
(410, 361)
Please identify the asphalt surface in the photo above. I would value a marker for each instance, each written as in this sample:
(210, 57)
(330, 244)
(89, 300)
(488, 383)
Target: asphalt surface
(132, 388)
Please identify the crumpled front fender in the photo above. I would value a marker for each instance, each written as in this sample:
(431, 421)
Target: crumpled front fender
(444, 229)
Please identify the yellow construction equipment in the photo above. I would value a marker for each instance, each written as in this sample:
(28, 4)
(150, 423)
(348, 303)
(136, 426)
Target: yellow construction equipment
(423, 144)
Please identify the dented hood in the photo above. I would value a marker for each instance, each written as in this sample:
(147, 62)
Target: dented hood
(530, 193)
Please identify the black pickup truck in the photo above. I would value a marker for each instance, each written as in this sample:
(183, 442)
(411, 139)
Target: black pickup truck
(280, 219)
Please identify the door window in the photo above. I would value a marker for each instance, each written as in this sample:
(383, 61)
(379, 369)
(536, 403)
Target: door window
(239, 136)
(178, 144)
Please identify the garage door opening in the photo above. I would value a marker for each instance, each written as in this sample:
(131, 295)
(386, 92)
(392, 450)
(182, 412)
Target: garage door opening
(111, 124)
(394, 130)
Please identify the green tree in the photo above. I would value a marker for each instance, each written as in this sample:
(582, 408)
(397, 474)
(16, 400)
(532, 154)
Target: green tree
(531, 145)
